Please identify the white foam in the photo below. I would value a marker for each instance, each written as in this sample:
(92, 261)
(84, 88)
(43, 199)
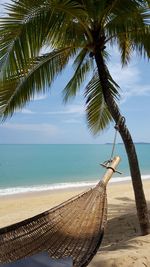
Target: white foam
(45, 187)
(127, 178)
(39, 188)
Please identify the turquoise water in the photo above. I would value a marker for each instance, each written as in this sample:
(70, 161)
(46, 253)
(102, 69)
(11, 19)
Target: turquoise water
(40, 167)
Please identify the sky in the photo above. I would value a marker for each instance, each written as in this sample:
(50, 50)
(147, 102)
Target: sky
(46, 120)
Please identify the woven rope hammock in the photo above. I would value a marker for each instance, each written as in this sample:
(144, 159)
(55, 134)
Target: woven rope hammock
(74, 228)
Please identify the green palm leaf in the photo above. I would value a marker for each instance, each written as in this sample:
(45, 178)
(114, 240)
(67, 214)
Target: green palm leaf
(32, 24)
(83, 66)
(15, 92)
(22, 34)
(98, 115)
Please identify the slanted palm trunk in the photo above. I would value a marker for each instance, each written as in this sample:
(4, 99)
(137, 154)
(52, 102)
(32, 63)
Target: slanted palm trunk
(141, 205)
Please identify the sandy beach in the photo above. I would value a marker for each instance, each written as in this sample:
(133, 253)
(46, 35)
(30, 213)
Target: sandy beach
(122, 244)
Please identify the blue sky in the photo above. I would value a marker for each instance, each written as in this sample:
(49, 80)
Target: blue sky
(47, 120)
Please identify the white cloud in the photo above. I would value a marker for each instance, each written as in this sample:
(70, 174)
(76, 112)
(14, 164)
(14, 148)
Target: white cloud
(129, 80)
(42, 128)
(73, 109)
(27, 111)
(39, 97)
(125, 76)
(68, 110)
(137, 90)
(72, 121)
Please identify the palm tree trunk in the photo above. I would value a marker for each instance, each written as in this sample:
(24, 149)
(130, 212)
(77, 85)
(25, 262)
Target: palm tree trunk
(142, 210)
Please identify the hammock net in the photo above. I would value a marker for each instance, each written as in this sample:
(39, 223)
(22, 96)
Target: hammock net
(72, 229)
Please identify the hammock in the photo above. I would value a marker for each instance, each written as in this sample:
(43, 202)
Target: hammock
(74, 228)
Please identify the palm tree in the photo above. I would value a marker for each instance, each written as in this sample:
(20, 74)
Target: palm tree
(82, 31)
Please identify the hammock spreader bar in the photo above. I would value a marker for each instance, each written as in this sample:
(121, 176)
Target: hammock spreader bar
(72, 229)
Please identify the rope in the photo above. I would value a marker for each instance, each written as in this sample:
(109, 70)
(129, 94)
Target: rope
(117, 126)
(114, 144)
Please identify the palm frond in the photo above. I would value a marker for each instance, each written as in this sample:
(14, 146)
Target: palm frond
(22, 33)
(16, 91)
(75, 12)
(83, 65)
(97, 113)
(130, 29)
(126, 19)
(125, 47)
(32, 24)
(141, 41)
(94, 9)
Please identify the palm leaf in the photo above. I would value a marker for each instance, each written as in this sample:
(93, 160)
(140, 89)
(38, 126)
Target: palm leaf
(140, 41)
(129, 28)
(32, 24)
(83, 65)
(126, 19)
(22, 33)
(16, 91)
(125, 47)
(98, 115)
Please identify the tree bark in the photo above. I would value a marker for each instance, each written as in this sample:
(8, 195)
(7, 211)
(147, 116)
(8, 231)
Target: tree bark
(141, 205)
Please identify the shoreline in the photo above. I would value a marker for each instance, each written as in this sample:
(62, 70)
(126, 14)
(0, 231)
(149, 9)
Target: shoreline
(56, 196)
(60, 187)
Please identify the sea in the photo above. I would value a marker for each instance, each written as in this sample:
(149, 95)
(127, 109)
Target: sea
(35, 168)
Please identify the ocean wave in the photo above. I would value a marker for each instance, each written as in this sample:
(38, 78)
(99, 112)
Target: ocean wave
(59, 186)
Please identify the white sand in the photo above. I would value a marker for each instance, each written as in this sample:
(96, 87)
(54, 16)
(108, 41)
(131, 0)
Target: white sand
(122, 244)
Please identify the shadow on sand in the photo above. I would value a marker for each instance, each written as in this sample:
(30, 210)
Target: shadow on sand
(121, 229)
